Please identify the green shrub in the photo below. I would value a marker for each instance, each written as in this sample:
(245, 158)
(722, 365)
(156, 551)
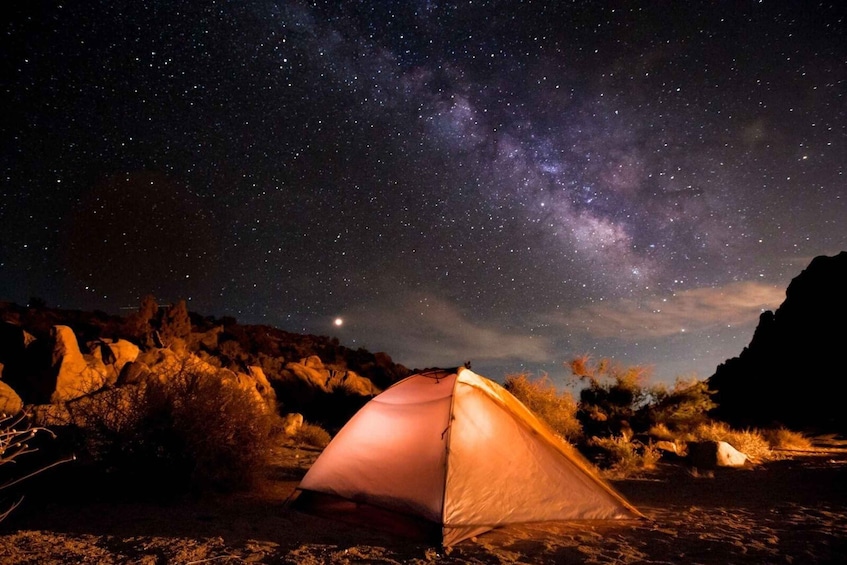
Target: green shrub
(539, 395)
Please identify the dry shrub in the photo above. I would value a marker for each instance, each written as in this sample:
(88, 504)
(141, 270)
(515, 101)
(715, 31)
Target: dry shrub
(185, 432)
(622, 457)
(542, 398)
(662, 432)
(312, 434)
(783, 438)
(16, 437)
(751, 442)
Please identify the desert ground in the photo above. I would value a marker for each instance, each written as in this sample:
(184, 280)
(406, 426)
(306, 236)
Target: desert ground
(790, 510)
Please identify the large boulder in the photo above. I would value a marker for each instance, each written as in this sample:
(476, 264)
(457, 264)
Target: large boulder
(309, 374)
(134, 372)
(262, 384)
(114, 355)
(76, 374)
(313, 372)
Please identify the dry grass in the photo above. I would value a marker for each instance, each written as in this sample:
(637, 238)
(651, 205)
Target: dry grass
(312, 434)
(783, 438)
(540, 395)
(625, 457)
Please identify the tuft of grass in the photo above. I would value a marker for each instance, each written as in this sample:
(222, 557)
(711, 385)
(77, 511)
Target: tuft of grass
(783, 438)
(312, 434)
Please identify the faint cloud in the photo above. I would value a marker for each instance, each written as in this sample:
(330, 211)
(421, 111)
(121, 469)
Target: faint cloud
(426, 331)
(687, 311)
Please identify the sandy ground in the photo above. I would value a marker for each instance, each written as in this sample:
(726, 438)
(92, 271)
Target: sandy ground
(792, 510)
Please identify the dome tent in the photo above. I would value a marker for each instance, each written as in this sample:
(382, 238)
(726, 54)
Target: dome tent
(448, 454)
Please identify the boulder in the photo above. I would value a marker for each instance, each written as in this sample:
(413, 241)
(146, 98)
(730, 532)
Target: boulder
(712, 454)
(292, 423)
(262, 384)
(10, 403)
(312, 362)
(308, 374)
(134, 372)
(114, 355)
(76, 374)
(207, 340)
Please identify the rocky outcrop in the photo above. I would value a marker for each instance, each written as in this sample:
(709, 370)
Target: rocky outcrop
(59, 362)
(312, 372)
(792, 372)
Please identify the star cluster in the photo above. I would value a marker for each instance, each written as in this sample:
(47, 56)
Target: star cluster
(511, 183)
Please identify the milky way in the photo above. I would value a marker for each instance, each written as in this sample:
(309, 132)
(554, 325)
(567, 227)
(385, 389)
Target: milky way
(506, 183)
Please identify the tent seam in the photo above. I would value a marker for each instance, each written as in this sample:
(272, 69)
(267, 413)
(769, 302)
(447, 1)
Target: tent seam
(449, 432)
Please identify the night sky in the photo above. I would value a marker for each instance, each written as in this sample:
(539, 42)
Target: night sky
(506, 183)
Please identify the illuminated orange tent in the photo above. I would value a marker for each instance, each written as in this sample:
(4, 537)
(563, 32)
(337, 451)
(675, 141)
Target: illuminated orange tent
(450, 454)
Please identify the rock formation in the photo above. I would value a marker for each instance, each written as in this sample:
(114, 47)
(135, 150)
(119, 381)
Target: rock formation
(792, 372)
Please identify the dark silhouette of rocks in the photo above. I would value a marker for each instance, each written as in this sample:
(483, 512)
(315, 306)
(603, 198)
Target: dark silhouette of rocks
(793, 371)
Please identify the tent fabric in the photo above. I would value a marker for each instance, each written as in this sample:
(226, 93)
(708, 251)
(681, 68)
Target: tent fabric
(458, 451)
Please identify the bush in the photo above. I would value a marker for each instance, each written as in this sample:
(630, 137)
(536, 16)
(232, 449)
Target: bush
(557, 410)
(176, 433)
(622, 457)
(682, 408)
(614, 399)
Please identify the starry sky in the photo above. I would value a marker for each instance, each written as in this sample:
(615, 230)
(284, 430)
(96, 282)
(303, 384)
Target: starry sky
(507, 183)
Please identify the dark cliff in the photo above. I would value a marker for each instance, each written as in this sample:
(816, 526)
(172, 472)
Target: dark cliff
(793, 371)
